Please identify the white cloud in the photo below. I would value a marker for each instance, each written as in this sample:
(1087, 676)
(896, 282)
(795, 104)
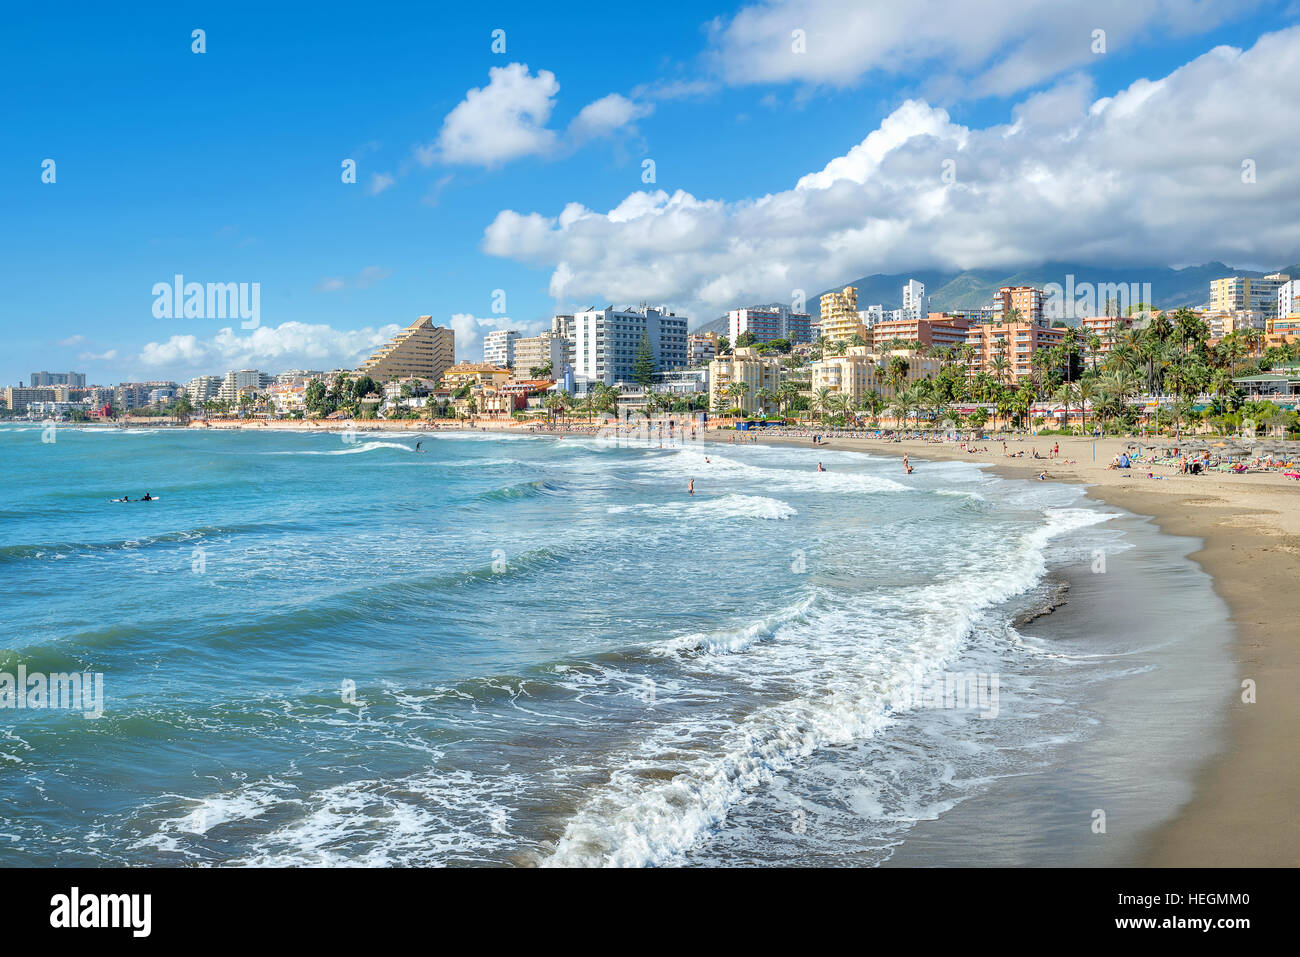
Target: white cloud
(380, 182)
(470, 330)
(606, 115)
(72, 341)
(289, 345)
(108, 356)
(988, 48)
(1152, 174)
(508, 119)
(499, 122)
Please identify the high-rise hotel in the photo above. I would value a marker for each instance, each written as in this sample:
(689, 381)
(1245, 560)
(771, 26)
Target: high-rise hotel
(606, 341)
(421, 351)
(840, 319)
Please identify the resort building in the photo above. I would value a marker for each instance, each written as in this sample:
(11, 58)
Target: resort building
(756, 372)
(916, 304)
(701, 348)
(1026, 300)
(606, 341)
(1288, 299)
(766, 323)
(73, 380)
(1013, 342)
(475, 374)
(938, 330)
(1222, 324)
(1107, 328)
(18, 398)
(1282, 331)
(563, 326)
(203, 388)
(421, 350)
(246, 381)
(499, 348)
(839, 315)
(1236, 293)
(136, 395)
(860, 371)
(538, 352)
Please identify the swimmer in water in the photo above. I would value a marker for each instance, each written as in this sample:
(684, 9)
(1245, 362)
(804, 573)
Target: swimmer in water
(820, 468)
(690, 486)
(906, 467)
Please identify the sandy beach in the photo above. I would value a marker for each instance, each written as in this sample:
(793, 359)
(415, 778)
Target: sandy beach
(1243, 811)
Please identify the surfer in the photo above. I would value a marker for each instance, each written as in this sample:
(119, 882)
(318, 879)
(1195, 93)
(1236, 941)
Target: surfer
(417, 446)
(147, 497)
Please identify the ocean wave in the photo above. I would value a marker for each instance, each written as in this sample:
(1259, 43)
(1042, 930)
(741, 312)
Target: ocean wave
(724, 506)
(850, 660)
(370, 446)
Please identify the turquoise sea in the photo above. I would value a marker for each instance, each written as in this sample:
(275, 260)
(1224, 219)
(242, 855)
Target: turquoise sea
(513, 650)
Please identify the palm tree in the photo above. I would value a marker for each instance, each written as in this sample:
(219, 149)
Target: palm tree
(1086, 389)
(786, 393)
(1065, 394)
(873, 403)
(738, 391)
(822, 400)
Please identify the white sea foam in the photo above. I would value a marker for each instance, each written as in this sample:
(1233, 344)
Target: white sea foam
(350, 449)
(847, 659)
(724, 506)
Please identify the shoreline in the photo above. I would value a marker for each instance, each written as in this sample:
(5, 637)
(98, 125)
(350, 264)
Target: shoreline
(1241, 812)
(1242, 808)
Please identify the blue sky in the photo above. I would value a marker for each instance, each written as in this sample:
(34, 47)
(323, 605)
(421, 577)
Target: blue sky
(225, 166)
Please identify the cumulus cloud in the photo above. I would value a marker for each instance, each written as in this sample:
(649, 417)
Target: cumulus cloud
(499, 122)
(1153, 174)
(289, 345)
(988, 48)
(606, 115)
(471, 329)
(508, 119)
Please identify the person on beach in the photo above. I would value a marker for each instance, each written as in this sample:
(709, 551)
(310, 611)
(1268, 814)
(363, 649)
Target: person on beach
(690, 487)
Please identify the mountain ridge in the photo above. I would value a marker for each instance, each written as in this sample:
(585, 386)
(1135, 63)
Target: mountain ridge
(973, 288)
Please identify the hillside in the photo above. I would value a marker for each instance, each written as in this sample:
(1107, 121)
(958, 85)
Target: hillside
(1170, 288)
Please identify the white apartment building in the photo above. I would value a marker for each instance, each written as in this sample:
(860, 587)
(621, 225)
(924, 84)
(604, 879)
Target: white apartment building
(916, 304)
(237, 381)
(766, 323)
(1288, 298)
(499, 348)
(535, 352)
(563, 326)
(203, 388)
(606, 341)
